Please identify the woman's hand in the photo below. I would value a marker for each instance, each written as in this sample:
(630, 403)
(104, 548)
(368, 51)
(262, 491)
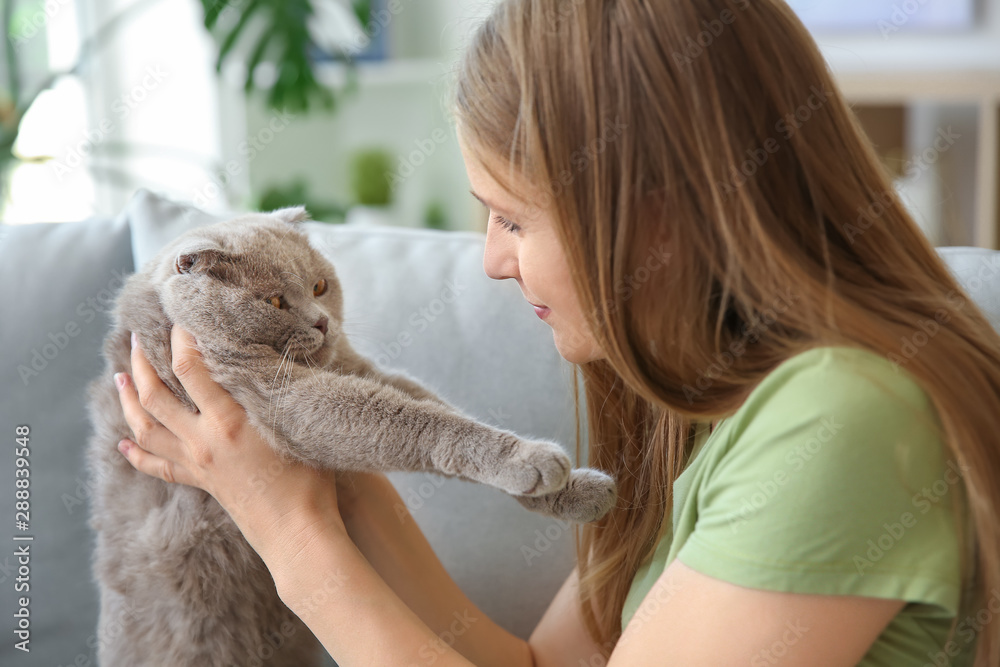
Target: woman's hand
(216, 449)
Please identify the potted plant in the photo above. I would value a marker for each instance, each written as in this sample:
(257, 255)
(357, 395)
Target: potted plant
(369, 182)
(435, 216)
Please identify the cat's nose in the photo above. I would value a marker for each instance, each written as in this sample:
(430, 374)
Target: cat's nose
(321, 324)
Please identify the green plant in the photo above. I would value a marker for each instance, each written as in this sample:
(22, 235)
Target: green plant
(288, 38)
(14, 101)
(370, 170)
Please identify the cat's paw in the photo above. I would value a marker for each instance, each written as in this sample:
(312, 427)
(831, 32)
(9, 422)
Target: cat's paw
(588, 495)
(535, 467)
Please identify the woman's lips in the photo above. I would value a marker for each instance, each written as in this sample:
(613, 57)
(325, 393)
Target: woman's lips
(541, 311)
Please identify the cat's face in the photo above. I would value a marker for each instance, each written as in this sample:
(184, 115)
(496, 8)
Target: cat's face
(254, 280)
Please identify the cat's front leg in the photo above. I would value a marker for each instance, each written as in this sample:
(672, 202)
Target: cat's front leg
(411, 388)
(588, 495)
(349, 361)
(348, 422)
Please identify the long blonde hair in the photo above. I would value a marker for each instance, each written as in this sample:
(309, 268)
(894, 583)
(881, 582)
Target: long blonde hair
(714, 127)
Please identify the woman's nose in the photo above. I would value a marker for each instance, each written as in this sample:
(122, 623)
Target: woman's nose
(499, 258)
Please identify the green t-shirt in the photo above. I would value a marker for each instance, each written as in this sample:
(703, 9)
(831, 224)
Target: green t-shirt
(831, 478)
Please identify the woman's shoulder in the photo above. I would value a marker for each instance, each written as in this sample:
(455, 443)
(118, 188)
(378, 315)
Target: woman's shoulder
(838, 378)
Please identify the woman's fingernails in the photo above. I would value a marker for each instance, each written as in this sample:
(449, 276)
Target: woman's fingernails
(120, 380)
(134, 342)
(123, 446)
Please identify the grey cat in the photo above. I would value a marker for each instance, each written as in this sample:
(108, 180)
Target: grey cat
(179, 585)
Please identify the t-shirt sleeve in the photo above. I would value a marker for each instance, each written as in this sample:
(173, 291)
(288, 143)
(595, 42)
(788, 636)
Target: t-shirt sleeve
(835, 480)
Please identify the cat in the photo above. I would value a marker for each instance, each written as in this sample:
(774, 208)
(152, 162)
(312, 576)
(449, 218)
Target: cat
(179, 585)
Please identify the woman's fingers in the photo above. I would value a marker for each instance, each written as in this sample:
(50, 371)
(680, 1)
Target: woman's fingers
(189, 367)
(156, 397)
(153, 465)
(148, 434)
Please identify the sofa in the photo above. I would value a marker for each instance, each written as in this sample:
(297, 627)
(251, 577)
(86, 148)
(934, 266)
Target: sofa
(416, 301)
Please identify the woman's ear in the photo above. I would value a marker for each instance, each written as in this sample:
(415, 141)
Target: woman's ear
(291, 214)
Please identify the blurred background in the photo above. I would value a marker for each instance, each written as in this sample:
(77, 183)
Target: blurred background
(340, 104)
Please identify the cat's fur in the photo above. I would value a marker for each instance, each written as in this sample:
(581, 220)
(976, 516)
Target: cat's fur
(179, 585)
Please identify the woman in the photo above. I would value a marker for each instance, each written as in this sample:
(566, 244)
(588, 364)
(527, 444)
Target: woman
(684, 196)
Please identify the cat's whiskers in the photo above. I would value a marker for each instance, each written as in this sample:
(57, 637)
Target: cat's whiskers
(309, 363)
(286, 379)
(358, 328)
(298, 279)
(357, 317)
(270, 398)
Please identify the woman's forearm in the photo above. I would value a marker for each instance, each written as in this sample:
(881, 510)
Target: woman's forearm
(382, 528)
(325, 579)
(355, 615)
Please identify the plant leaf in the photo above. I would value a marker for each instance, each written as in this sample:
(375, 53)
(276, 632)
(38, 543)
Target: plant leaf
(230, 40)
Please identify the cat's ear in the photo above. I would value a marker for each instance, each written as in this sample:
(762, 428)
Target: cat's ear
(292, 214)
(198, 257)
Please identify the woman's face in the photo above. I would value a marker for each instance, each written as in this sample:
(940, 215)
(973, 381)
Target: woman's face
(522, 243)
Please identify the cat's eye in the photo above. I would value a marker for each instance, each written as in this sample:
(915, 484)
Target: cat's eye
(275, 301)
(320, 288)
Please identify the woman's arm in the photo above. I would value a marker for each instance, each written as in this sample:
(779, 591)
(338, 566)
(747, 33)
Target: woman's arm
(383, 530)
(689, 618)
(326, 581)
(323, 578)
(561, 639)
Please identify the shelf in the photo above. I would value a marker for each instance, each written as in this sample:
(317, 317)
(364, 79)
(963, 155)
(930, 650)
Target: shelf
(964, 86)
(915, 54)
(390, 72)
(929, 81)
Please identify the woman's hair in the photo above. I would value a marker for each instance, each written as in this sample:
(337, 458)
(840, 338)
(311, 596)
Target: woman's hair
(712, 131)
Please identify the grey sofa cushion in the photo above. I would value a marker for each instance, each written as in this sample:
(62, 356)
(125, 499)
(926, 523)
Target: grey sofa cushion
(60, 281)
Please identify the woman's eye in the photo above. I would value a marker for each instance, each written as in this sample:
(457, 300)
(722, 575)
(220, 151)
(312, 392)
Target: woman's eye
(320, 288)
(275, 301)
(505, 223)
